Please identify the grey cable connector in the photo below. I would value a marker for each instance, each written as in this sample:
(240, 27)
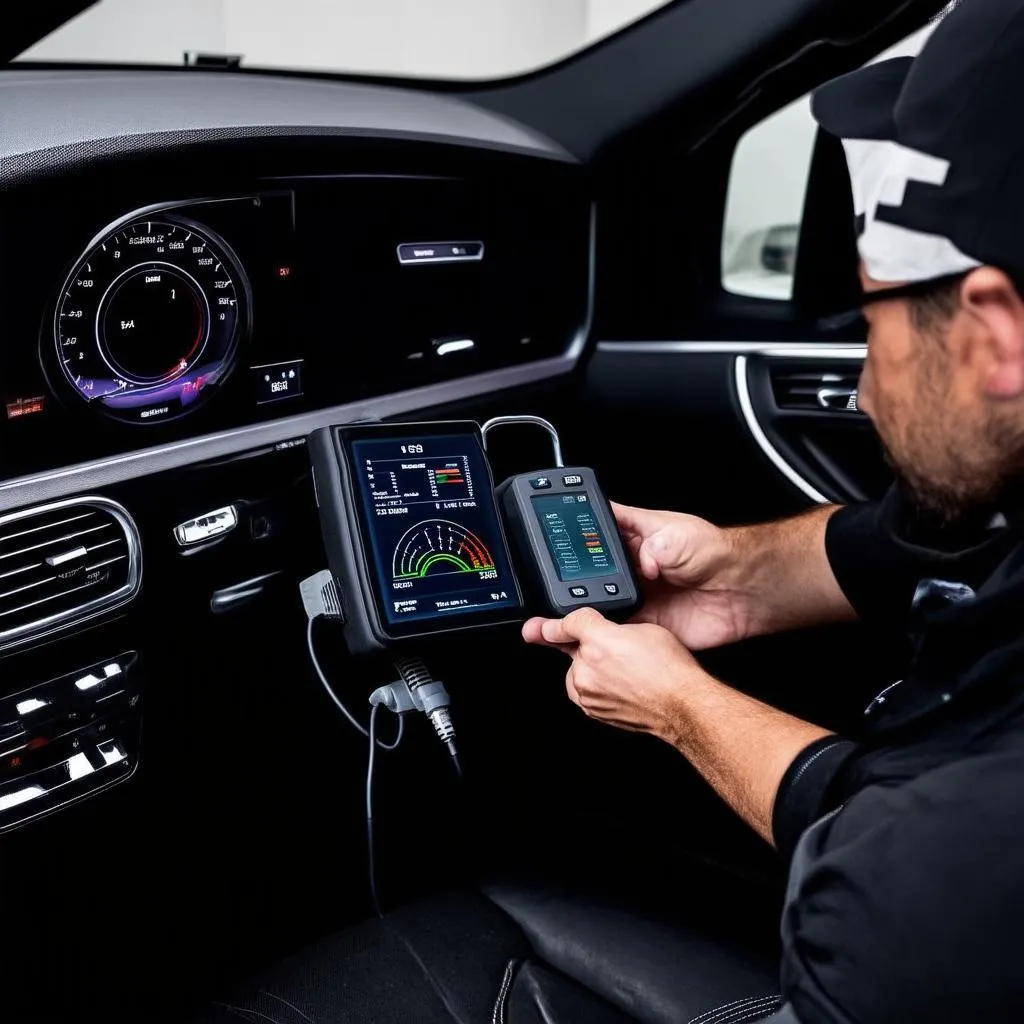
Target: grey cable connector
(417, 691)
(320, 600)
(431, 696)
(320, 596)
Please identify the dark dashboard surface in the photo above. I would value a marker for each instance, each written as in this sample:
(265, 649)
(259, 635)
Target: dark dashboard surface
(362, 272)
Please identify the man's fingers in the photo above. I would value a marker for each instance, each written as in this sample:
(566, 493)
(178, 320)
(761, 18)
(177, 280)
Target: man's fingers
(652, 546)
(577, 628)
(647, 562)
(533, 633)
(570, 686)
(566, 633)
(637, 521)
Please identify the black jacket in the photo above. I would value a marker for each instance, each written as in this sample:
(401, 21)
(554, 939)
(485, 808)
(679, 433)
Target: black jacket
(906, 896)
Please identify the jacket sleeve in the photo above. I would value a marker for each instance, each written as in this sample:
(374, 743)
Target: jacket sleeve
(809, 790)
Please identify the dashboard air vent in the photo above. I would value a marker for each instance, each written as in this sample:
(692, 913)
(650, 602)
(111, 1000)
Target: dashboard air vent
(803, 388)
(63, 563)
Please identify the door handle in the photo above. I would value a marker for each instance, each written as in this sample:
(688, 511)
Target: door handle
(838, 399)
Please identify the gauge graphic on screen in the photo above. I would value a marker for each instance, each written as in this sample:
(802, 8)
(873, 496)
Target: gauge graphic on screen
(439, 546)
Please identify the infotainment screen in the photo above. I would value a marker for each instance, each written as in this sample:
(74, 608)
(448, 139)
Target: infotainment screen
(434, 538)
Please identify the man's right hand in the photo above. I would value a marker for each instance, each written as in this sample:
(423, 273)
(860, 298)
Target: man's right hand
(711, 586)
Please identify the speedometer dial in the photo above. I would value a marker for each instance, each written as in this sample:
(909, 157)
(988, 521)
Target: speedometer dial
(149, 321)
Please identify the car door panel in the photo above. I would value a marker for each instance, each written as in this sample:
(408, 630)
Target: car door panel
(704, 427)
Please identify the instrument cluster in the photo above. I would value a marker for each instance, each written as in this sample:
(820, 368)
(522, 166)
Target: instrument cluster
(150, 319)
(150, 327)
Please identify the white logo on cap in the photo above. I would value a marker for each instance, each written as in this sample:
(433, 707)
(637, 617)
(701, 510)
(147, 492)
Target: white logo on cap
(880, 173)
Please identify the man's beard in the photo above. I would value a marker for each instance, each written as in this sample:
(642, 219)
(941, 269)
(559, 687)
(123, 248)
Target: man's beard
(963, 495)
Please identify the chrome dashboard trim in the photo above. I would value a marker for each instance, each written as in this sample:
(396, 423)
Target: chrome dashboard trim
(775, 349)
(36, 488)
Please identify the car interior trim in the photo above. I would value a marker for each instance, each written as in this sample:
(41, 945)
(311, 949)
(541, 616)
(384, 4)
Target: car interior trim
(47, 486)
(758, 434)
(72, 116)
(797, 350)
(96, 606)
(147, 461)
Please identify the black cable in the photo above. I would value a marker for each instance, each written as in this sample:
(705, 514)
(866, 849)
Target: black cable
(372, 868)
(353, 721)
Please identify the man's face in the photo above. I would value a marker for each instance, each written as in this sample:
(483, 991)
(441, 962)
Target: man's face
(939, 396)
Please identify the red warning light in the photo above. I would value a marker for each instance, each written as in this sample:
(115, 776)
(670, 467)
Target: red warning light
(284, 271)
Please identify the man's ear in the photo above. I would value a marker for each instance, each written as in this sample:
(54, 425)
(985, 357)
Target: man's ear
(991, 300)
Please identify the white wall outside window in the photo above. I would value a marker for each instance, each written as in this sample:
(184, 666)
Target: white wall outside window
(434, 38)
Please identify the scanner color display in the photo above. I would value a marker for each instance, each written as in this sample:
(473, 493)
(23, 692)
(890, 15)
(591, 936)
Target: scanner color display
(437, 546)
(573, 535)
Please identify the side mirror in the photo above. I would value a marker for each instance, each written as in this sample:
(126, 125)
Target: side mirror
(778, 253)
(761, 263)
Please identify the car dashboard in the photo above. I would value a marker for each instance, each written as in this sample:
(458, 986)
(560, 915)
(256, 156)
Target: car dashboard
(199, 270)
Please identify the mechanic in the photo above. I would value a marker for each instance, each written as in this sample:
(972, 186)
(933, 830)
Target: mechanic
(906, 843)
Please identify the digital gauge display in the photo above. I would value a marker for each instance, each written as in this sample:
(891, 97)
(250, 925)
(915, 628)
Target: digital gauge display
(437, 545)
(149, 321)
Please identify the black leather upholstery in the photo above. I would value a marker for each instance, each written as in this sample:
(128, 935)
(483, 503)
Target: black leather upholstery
(654, 971)
(539, 995)
(546, 956)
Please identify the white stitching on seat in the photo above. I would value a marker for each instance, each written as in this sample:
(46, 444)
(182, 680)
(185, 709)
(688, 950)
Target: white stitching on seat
(292, 1006)
(246, 1014)
(702, 1017)
(498, 1016)
(758, 1014)
(753, 1007)
(758, 1007)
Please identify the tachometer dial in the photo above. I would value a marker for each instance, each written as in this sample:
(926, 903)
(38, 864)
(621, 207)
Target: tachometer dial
(149, 321)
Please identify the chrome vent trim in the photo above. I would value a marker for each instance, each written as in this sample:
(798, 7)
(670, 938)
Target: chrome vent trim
(798, 387)
(90, 543)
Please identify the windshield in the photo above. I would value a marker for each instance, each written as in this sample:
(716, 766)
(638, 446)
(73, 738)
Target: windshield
(450, 39)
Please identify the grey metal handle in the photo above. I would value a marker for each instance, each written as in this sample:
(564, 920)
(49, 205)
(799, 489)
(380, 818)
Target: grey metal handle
(531, 421)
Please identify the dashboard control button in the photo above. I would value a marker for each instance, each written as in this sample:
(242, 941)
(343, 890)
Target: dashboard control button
(572, 480)
(541, 483)
(450, 346)
(411, 253)
(579, 592)
(213, 524)
(611, 589)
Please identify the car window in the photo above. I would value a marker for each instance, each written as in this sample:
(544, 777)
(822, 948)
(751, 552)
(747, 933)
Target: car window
(767, 188)
(447, 39)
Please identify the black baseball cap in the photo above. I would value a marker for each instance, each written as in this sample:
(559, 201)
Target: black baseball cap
(935, 149)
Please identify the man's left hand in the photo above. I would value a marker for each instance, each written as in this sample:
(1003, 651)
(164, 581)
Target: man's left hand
(631, 676)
